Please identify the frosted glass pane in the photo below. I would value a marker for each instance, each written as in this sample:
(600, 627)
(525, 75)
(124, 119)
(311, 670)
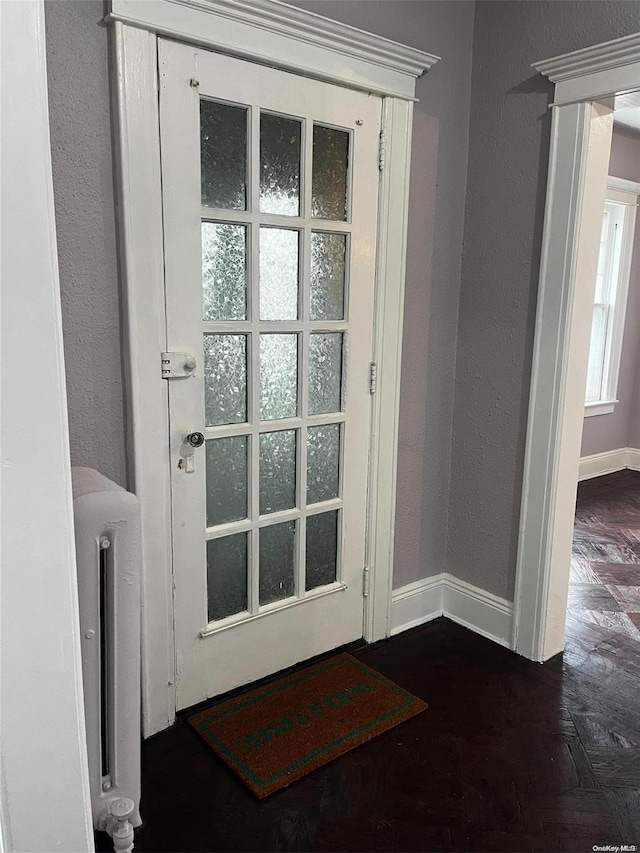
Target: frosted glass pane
(224, 271)
(278, 376)
(279, 165)
(596, 353)
(322, 549)
(325, 373)
(278, 274)
(226, 480)
(329, 179)
(276, 561)
(277, 471)
(327, 276)
(225, 379)
(323, 459)
(226, 576)
(223, 147)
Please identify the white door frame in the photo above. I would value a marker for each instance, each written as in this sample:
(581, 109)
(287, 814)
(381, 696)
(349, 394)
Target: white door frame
(45, 796)
(578, 146)
(273, 33)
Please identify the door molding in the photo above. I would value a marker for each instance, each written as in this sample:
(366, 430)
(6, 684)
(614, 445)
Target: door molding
(284, 36)
(556, 404)
(262, 31)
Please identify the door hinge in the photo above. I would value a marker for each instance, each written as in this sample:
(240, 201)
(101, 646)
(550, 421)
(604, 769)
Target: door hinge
(365, 582)
(373, 377)
(382, 151)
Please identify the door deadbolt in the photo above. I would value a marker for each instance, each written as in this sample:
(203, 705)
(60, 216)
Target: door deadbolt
(195, 439)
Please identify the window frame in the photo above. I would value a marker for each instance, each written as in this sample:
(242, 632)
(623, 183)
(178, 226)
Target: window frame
(622, 194)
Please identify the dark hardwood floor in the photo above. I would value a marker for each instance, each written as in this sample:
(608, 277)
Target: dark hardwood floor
(511, 755)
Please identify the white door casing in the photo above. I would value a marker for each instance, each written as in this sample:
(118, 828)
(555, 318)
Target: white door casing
(580, 139)
(280, 36)
(219, 656)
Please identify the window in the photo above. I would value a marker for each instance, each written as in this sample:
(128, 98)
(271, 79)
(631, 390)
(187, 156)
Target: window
(612, 282)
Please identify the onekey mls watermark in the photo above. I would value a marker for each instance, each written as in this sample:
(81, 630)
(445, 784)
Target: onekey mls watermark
(615, 848)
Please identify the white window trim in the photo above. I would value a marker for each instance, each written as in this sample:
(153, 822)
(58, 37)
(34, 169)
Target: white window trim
(556, 407)
(600, 407)
(624, 192)
(263, 31)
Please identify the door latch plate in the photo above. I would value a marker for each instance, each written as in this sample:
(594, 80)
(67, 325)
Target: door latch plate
(177, 365)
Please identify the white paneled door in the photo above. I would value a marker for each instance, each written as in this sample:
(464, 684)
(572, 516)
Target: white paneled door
(270, 195)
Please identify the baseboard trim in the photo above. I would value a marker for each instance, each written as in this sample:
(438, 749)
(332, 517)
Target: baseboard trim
(478, 610)
(444, 595)
(600, 464)
(416, 603)
(633, 458)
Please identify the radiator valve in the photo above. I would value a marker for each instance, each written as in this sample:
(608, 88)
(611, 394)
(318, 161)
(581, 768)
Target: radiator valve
(119, 826)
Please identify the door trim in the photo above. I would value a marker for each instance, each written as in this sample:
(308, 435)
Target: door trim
(257, 33)
(556, 404)
(286, 37)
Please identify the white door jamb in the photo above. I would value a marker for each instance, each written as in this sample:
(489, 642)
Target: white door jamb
(579, 143)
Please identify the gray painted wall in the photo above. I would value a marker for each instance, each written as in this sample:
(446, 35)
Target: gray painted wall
(468, 456)
(77, 59)
(506, 179)
(633, 435)
(610, 432)
(438, 179)
(82, 162)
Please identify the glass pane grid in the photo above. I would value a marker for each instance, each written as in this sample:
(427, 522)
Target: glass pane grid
(299, 313)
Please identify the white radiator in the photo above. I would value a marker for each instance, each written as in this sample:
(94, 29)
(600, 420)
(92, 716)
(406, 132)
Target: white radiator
(107, 525)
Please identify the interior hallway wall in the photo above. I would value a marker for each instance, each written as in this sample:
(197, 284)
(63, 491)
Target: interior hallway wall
(506, 188)
(620, 428)
(83, 180)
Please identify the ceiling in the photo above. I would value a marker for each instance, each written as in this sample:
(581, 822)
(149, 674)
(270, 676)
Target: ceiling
(627, 110)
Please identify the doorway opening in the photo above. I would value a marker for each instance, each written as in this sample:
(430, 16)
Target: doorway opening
(604, 604)
(587, 84)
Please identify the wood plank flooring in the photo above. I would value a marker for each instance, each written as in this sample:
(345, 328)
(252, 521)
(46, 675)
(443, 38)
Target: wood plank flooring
(511, 755)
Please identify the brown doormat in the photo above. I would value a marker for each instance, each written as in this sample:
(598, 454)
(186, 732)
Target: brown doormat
(275, 734)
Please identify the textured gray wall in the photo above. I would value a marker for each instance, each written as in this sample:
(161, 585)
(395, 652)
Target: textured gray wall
(506, 182)
(77, 48)
(610, 432)
(438, 176)
(77, 59)
(633, 435)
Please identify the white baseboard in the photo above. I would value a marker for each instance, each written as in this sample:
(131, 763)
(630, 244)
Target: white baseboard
(478, 610)
(600, 464)
(633, 458)
(444, 595)
(416, 603)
